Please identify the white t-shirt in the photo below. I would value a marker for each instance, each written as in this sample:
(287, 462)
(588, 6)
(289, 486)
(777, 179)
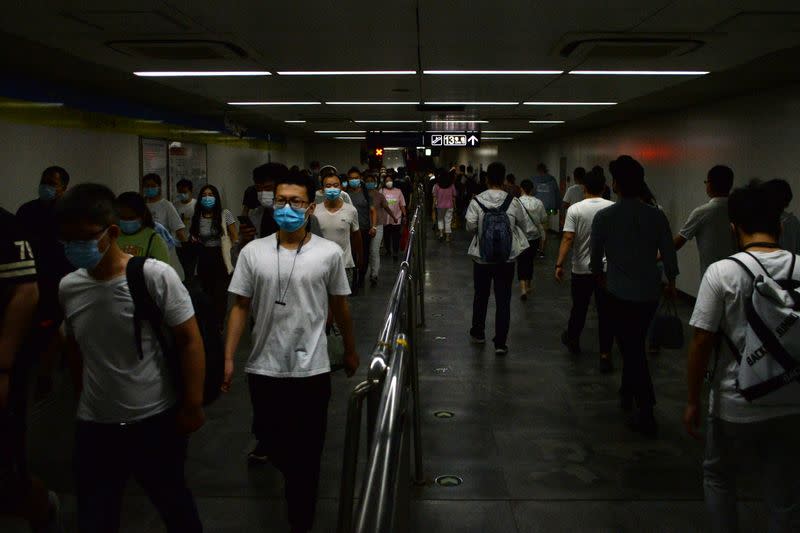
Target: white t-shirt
(117, 385)
(165, 214)
(319, 197)
(185, 211)
(579, 221)
(338, 226)
(721, 307)
(537, 216)
(574, 194)
(711, 225)
(210, 239)
(289, 340)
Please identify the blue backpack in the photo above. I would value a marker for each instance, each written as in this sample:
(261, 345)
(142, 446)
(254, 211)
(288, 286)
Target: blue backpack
(495, 237)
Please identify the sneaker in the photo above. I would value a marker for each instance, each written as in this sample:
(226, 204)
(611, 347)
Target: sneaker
(477, 339)
(259, 455)
(605, 365)
(501, 350)
(54, 524)
(572, 345)
(541, 255)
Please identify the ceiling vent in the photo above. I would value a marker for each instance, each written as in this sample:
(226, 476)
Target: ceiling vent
(179, 50)
(626, 47)
(130, 21)
(761, 22)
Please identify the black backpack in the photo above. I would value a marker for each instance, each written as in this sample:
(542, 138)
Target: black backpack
(147, 309)
(495, 238)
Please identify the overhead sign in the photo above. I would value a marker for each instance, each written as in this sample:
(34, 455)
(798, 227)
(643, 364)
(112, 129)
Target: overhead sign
(468, 139)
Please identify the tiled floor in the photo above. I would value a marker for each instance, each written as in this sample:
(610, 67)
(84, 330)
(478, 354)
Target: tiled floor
(537, 438)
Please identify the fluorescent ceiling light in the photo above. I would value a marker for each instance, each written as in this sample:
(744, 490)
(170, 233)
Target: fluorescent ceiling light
(204, 132)
(31, 104)
(497, 138)
(372, 103)
(201, 73)
(295, 121)
(471, 103)
(507, 131)
(389, 121)
(570, 103)
(452, 131)
(640, 72)
(546, 121)
(493, 72)
(457, 121)
(393, 149)
(340, 131)
(347, 72)
(350, 138)
(142, 121)
(393, 131)
(274, 103)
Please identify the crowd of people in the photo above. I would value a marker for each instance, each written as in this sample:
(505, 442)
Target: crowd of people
(133, 289)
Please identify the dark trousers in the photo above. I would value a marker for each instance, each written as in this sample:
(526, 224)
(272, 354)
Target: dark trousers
(290, 418)
(502, 275)
(630, 321)
(525, 261)
(150, 451)
(361, 273)
(583, 286)
(187, 254)
(391, 236)
(214, 280)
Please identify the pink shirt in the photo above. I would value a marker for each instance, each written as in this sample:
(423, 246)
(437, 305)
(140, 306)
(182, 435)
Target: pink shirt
(445, 198)
(396, 200)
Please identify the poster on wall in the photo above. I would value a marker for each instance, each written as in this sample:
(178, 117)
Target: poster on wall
(187, 161)
(153, 158)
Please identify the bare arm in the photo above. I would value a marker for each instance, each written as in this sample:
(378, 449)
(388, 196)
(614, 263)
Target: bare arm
(16, 324)
(357, 245)
(679, 241)
(237, 320)
(700, 351)
(341, 314)
(193, 367)
(566, 245)
(232, 233)
(181, 234)
(72, 354)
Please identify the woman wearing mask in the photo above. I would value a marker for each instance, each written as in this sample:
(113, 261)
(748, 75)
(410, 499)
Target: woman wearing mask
(362, 201)
(382, 215)
(393, 228)
(138, 237)
(214, 229)
(444, 200)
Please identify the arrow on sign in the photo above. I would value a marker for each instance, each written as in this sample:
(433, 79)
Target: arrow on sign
(436, 140)
(472, 140)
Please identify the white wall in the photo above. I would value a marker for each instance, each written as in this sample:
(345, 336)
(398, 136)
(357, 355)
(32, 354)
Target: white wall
(341, 154)
(112, 159)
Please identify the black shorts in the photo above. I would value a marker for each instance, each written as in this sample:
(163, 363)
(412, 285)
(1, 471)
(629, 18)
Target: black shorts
(15, 479)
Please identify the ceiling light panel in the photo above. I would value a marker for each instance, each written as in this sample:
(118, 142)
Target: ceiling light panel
(372, 103)
(347, 72)
(388, 121)
(295, 121)
(457, 121)
(569, 103)
(497, 138)
(493, 72)
(351, 138)
(507, 131)
(340, 131)
(471, 103)
(272, 103)
(640, 72)
(201, 73)
(546, 121)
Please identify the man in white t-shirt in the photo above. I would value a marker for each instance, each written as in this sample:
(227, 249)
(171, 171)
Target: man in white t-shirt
(338, 222)
(709, 222)
(762, 435)
(577, 235)
(185, 205)
(164, 213)
(790, 225)
(131, 420)
(289, 281)
(574, 193)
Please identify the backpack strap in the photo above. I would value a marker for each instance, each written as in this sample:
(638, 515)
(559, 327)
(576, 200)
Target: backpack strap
(483, 207)
(744, 267)
(507, 202)
(145, 308)
(149, 244)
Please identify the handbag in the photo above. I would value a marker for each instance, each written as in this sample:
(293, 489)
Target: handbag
(668, 328)
(335, 347)
(226, 245)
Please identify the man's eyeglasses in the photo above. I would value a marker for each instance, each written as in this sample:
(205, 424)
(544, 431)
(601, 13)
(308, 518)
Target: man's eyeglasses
(295, 203)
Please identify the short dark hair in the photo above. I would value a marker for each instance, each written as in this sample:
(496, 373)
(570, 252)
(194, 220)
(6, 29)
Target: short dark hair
(512, 179)
(780, 191)
(462, 168)
(541, 167)
(579, 174)
(628, 174)
(185, 183)
(87, 202)
(527, 186)
(298, 178)
(270, 172)
(595, 183)
(63, 174)
(134, 201)
(327, 171)
(354, 170)
(720, 178)
(496, 173)
(753, 209)
(152, 177)
(597, 169)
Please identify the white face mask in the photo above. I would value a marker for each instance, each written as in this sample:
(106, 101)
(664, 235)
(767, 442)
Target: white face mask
(266, 198)
(389, 184)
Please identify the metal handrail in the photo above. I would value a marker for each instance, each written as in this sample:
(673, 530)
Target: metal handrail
(392, 372)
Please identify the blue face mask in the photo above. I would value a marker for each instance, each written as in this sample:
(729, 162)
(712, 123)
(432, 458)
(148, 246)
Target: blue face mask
(371, 185)
(84, 254)
(129, 227)
(332, 193)
(208, 202)
(183, 196)
(151, 192)
(355, 184)
(46, 192)
(289, 219)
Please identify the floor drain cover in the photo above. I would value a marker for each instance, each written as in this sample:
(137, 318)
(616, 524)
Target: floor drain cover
(440, 339)
(438, 315)
(444, 414)
(449, 481)
(441, 370)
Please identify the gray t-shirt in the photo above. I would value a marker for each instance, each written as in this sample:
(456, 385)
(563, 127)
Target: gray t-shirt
(289, 340)
(118, 386)
(212, 238)
(710, 224)
(362, 204)
(573, 195)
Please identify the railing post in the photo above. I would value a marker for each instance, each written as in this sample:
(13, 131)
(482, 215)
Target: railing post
(413, 337)
(419, 268)
(350, 462)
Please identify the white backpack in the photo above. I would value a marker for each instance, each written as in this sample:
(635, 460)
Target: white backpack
(769, 360)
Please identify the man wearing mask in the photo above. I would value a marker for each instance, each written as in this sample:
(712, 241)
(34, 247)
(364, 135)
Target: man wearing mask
(165, 214)
(185, 205)
(289, 281)
(367, 220)
(339, 223)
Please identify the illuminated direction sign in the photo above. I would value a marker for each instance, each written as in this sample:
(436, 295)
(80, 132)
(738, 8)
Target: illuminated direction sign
(467, 139)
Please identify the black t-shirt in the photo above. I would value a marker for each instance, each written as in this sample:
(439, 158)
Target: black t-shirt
(250, 199)
(37, 222)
